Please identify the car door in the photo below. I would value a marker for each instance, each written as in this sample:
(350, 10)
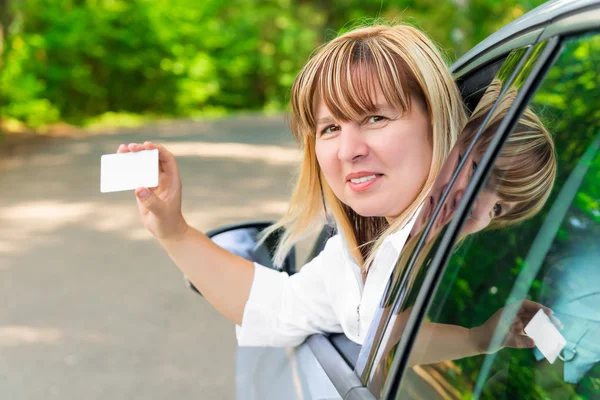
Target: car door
(546, 254)
(329, 366)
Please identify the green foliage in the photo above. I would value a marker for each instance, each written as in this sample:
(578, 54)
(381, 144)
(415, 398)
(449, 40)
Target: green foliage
(76, 59)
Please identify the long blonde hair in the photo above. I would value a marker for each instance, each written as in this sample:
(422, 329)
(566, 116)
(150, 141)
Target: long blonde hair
(527, 175)
(408, 68)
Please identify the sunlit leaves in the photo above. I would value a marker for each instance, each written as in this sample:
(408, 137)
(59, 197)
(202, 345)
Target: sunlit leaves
(76, 59)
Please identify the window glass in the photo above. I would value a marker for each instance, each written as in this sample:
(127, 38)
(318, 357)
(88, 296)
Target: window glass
(379, 348)
(526, 256)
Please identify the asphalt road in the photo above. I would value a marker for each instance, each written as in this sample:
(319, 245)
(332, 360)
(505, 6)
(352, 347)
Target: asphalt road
(92, 308)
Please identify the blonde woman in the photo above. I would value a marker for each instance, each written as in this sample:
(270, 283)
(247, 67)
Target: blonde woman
(376, 112)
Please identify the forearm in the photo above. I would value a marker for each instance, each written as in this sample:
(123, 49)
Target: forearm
(223, 278)
(441, 342)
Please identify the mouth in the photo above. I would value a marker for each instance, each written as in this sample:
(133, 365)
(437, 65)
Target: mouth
(362, 181)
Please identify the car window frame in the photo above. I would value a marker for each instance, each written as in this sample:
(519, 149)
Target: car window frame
(444, 251)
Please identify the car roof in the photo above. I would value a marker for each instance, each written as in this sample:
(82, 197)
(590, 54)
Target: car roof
(525, 30)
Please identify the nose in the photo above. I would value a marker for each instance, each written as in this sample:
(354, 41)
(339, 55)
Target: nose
(352, 146)
(455, 198)
(483, 208)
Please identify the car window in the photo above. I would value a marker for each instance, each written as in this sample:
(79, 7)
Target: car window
(526, 254)
(378, 351)
(473, 85)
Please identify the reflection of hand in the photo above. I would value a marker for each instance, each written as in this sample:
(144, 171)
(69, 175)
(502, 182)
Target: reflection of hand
(160, 207)
(514, 336)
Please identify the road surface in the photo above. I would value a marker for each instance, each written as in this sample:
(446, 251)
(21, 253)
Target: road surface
(92, 308)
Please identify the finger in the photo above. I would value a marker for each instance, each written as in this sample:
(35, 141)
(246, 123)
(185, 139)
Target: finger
(150, 200)
(526, 315)
(168, 164)
(517, 326)
(149, 145)
(532, 306)
(557, 322)
(520, 342)
(123, 149)
(166, 158)
(135, 147)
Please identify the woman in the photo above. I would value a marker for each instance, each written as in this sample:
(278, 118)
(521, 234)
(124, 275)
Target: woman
(376, 113)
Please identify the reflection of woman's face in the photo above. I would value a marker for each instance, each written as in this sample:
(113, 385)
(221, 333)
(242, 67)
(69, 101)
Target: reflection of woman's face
(487, 205)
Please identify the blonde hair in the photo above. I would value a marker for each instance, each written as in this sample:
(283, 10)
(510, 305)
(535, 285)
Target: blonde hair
(343, 74)
(527, 174)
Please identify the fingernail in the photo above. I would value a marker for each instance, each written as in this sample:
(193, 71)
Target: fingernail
(556, 322)
(143, 193)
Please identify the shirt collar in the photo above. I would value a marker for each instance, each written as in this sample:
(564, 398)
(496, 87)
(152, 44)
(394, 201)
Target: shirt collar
(398, 238)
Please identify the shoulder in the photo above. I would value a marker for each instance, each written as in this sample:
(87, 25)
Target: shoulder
(334, 242)
(334, 247)
(333, 251)
(335, 254)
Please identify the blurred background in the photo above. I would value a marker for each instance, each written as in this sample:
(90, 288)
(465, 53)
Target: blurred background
(81, 61)
(91, 306)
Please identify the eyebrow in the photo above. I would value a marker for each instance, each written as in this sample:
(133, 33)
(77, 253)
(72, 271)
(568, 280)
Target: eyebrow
(325, 120)
(329, 119)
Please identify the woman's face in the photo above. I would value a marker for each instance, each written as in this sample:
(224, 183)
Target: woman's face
(378, 164)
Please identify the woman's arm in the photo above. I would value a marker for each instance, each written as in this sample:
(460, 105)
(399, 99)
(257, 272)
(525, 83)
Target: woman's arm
(276, 309)
(442, 342)
(223, 278)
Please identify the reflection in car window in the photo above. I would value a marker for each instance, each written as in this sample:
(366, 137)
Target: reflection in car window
(544, 257)
(437, 211)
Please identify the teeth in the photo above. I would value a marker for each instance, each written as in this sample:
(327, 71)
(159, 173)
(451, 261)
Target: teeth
(363, 179)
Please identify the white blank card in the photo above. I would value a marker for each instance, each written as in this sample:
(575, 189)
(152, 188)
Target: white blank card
(545, 335)
(128, 171)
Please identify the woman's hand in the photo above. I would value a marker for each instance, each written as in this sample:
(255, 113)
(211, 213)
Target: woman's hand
(160, 207)
(514, 336)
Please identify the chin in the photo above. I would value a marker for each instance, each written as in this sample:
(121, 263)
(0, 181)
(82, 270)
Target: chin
(367, 210)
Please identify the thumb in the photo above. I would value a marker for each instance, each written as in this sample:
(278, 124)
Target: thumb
(150, 200)
(521, 342)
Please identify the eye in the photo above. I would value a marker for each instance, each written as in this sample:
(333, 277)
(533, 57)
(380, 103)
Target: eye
(376, 118)
(497, 209)
(329, 129)
(474, 166)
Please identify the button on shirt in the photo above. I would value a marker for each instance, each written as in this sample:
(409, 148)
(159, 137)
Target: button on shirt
(326, 295)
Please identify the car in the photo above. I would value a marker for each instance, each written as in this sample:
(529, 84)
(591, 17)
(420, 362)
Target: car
(456, 271)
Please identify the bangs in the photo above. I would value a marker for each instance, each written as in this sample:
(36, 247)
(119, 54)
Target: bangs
(348, 79)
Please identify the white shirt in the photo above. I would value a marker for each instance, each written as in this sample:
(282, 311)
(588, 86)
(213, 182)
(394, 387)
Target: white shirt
(326, 295)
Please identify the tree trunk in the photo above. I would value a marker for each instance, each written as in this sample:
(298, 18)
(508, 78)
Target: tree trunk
(5, 20)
